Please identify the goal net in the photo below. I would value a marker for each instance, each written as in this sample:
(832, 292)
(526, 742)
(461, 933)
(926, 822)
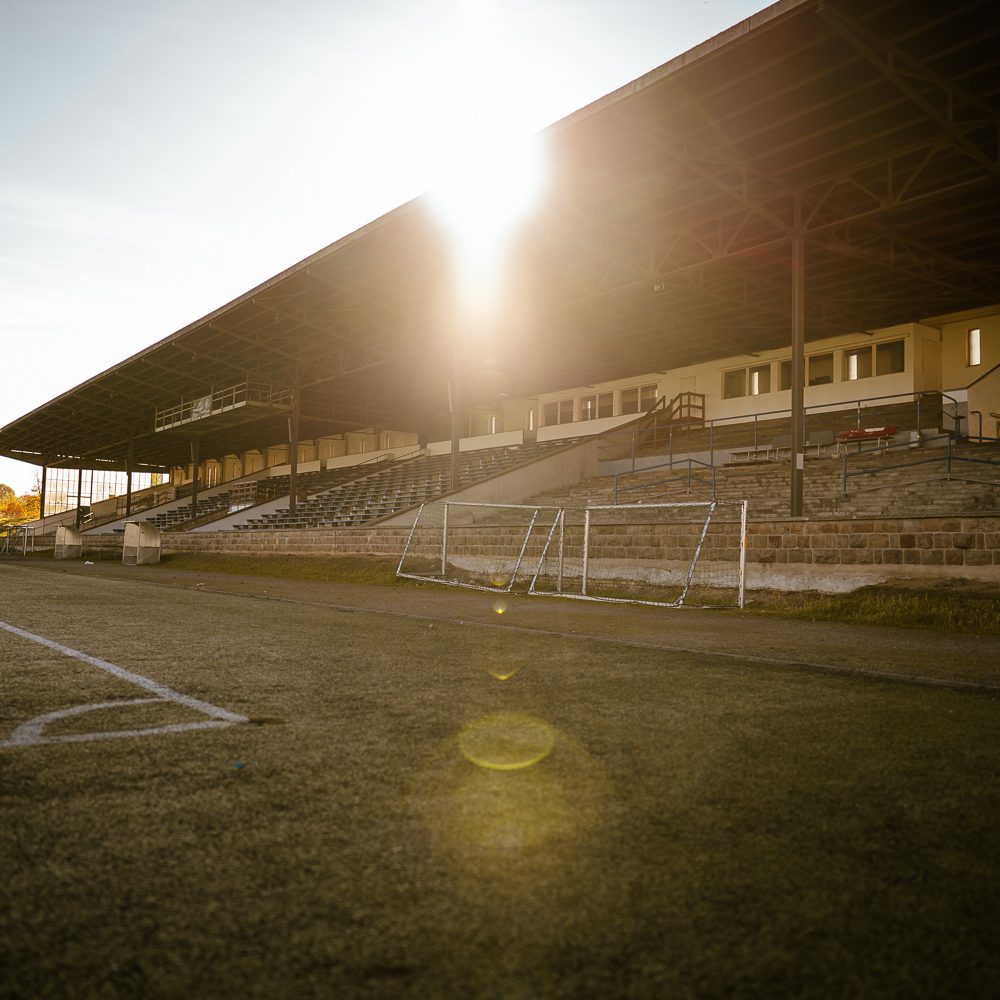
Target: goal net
(664, 554)
(480, 545)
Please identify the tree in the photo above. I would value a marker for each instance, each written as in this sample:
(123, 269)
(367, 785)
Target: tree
(15, 509)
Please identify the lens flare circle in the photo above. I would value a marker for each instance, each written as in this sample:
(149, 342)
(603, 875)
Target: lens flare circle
(506, 741)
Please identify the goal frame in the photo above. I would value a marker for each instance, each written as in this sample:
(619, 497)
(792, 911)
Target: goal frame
(555, 536)
(442, 577)
(680, 601)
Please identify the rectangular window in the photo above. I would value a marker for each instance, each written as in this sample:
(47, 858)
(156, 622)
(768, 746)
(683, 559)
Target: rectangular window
(588, 407)
(734, 384)
(785, 376)
(550, 414)
(606, 404)
(973, 347)
(857, 364)
(630, 400)
(760, 380)
(565, 411)
(890, 358)
(820, 369)
(647, 397)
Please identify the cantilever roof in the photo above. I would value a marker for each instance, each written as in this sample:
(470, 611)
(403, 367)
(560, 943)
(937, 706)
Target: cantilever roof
(871, 126)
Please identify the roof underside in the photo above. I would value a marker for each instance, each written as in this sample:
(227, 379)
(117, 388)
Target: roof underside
(664, 240)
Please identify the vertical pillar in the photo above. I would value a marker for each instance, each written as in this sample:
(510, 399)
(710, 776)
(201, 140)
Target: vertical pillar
(41, 498)
(128, 480)
(798, 372)
(195, 462)
(79, 497)
(454, 401)
(293, 446)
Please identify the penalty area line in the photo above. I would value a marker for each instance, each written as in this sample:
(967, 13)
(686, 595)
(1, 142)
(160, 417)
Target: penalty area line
(154, 687)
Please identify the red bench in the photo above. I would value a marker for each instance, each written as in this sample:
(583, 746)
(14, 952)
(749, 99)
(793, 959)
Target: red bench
(880, 435)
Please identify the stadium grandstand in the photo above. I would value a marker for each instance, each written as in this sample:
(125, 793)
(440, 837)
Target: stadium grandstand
(768, 269)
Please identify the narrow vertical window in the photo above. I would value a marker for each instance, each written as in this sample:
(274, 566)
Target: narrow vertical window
(531, 419)
(760, 380)
(973, 349)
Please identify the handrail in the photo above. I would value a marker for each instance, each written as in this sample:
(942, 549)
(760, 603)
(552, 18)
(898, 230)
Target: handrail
(690, 462)
(949, 458)
(633, 430)
(979, 379)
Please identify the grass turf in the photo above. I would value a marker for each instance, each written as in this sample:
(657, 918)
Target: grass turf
(977, 612)
(700, 827)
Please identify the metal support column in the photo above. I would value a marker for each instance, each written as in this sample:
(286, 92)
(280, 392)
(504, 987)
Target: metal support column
(798, 373)
(293, 448)
(454, 403)
(41, 497)
(79, 498)
(128, 480)
(195, 463)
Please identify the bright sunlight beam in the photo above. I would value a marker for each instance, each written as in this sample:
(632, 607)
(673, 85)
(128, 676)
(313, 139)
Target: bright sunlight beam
(488, 189)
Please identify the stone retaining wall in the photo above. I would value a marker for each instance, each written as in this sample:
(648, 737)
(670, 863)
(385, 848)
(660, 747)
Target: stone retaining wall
(786, 554)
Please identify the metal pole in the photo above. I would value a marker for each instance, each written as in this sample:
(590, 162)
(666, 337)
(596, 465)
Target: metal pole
(454, 394)
(798, 372)
(562, 550)
(586, 550)
(41, 499)
(79, 498)
(743, 552)
(195, 462)
(444, 542)
(128, 480)
(293, 445)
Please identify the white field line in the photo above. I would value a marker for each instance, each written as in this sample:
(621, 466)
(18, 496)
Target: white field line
(31, 732)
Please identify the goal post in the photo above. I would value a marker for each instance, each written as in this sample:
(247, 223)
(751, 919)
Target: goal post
(484, 546)
(690, 554)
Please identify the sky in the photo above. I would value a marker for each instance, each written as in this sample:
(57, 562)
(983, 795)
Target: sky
(158, 159)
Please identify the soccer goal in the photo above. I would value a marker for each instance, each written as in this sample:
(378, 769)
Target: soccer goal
(666, 554)
(485, 546)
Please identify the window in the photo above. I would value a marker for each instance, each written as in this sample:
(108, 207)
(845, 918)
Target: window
(820, 369)
(785, 376)
(734, 384)
(588, 408)
(492, 424)
(890, 357)
(605, 404)
(647, 397)
(973, 348)
(857, 364)
(560, 412)
(531, 419)
(760, 380)
(630, 400)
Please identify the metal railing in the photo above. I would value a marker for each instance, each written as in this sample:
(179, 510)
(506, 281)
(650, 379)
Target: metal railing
(17, 536)
(925, 401)
(690, 476)
(949, 459)
(219, 401)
